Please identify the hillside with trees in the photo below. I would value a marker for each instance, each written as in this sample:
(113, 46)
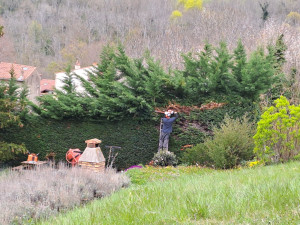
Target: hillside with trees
(51, 34)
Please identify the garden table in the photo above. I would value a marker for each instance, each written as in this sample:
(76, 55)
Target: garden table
(33, 164)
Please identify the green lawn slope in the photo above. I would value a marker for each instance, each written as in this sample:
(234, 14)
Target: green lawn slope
(263, 195)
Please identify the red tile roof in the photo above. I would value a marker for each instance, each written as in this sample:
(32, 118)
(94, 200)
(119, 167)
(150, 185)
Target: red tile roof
(18, 68)
(47, 85)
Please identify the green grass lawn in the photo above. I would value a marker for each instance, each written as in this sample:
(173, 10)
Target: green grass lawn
(263, 195)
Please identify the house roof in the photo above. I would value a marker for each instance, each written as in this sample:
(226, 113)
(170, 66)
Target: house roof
(47, 85)
(19, 70)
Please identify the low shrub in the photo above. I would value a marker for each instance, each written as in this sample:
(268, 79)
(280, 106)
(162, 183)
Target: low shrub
(165, 158)
(232, 143)
(33, 194)
(197, 155)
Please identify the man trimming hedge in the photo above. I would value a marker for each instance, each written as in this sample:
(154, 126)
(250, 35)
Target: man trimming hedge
(166, 129)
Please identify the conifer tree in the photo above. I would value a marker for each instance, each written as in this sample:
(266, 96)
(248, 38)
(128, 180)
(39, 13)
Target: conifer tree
(222, 81)
(228, 77)
(11, 107)
(279, 87)
(258, 75)
(159, 86)
(280, 48)
(240, 61)
(65, 103)
(197, 74)
(68, 81)
(134, 85)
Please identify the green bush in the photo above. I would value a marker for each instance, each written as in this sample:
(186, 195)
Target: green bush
(198, 155)
(278, 137)
(232, 143)
(165, 158)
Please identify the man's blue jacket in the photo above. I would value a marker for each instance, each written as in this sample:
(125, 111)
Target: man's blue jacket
(167, 123)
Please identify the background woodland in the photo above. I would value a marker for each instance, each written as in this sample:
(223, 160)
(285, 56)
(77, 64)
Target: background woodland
(50, 34)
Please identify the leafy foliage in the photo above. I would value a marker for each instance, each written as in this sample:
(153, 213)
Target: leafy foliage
(62, 106)
(198, 155)
(232, 143)
(283, 84)
(277, 137)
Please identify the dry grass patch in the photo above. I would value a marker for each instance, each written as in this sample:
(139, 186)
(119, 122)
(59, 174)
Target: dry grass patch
(44, 192)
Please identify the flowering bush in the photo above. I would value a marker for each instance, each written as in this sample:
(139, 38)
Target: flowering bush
(254, 163)
(165, 158)
(176, 14)
(188, 4)
(278, 132)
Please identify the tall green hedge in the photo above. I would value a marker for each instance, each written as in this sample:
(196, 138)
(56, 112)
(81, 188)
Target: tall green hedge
(139, 140)
(234, 110)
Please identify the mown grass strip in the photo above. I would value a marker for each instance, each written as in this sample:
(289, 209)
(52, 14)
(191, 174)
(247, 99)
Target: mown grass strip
(265, 195)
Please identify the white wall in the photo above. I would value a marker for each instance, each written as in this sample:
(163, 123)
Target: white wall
(82, 72)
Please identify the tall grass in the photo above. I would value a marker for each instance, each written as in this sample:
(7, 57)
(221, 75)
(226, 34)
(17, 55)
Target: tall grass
(33, 194)
(265, 195)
